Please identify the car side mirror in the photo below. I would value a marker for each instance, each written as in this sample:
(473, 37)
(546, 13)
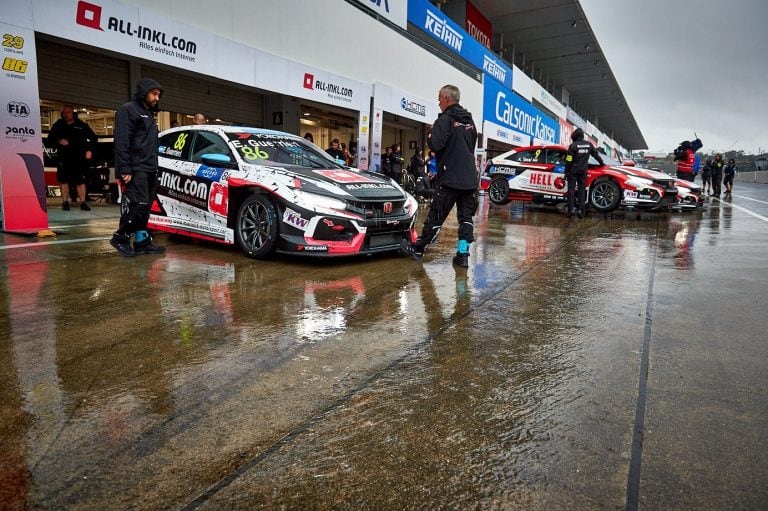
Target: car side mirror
(214, 159)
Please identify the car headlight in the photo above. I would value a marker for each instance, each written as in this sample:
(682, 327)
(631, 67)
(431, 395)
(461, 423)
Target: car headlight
(639, 182)
(314, 201)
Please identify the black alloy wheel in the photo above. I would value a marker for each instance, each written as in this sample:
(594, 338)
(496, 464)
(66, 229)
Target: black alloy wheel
(256, 226)
(604, 195)
(498, 190)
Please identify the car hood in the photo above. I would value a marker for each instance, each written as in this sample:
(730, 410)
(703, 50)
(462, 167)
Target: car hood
(360, 185)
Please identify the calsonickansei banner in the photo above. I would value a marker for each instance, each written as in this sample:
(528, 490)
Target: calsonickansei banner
(432, 21)
(503, 107)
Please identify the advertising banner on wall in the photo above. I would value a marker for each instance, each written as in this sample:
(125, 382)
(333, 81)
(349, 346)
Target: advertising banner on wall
(363, 135)
(378, 128)
(22, 179)
(575, 119)
(128, 29)
(395, 11)
(478, 26)
(445, 31)
(507, 109)
(548, 101)
(317, 85)
(404, 104)
(566, 129)
(494, 131)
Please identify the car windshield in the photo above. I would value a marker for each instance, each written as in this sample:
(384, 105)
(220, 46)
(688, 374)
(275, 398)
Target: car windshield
(274, 149)
(607, 160)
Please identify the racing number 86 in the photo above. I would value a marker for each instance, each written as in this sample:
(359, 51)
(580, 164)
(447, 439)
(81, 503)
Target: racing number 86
(254, 153)
(179, 144)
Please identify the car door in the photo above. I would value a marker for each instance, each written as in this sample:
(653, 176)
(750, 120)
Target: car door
(185, 185)
(534, 173)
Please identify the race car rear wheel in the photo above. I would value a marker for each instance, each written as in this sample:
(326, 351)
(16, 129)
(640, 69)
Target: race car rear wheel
(256, 226)
(604, 195)
(498, 190)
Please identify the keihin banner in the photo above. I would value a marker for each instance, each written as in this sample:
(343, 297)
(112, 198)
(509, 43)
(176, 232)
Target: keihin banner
(441, 28)
(22, 179)
(395, 11)
(505, 108)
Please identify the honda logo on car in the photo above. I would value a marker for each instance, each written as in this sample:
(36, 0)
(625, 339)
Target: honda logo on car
(520, 120)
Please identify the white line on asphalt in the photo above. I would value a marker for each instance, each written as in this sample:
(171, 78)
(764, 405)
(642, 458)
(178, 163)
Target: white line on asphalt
(750, 198)
(57, 242)
(745, 210)
(87, 224)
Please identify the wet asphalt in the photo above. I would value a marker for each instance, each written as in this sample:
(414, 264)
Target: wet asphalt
(606, 363)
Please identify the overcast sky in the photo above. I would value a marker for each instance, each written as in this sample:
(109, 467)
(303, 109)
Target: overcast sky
(689, 65)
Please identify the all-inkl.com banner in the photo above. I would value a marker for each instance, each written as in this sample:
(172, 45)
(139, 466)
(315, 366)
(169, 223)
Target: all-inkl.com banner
(503, 107)
(128, 29)
(22, 181)
(441, 28)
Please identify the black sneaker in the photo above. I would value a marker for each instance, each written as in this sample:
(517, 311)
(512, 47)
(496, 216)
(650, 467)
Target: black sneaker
(122, 244)
(461, 259)
(84, 206)
(65, 206)
(580, 214)
(411, 250)
(149, 248)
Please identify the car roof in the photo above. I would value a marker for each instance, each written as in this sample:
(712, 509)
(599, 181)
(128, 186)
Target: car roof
(232, 129)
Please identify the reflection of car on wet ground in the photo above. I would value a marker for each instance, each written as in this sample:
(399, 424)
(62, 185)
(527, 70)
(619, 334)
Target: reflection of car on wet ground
(536, 174)
(269, 191)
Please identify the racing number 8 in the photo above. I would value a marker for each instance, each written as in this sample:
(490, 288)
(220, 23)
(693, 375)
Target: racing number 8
(254, 154)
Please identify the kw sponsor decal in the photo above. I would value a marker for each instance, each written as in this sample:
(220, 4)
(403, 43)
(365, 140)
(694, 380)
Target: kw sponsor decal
(90, 15)
(294, 219)
(189, 190)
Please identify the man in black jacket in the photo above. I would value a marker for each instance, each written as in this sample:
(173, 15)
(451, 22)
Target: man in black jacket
(453, 139)
(576, 165)
(74, 141)
(136, 166)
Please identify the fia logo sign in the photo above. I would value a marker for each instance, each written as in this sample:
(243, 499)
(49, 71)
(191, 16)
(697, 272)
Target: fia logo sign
(18, 109)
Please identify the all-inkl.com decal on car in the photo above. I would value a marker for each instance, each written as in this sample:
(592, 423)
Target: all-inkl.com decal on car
(189, 190)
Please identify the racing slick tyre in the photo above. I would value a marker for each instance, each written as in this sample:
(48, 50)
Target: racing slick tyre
(498, 190)
(604, 195)
(256, 226)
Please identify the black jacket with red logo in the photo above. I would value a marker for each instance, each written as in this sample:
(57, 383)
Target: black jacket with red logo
(453, 139)
(577, 159)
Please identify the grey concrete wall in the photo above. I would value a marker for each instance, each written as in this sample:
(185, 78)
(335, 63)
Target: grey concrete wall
(752, 177)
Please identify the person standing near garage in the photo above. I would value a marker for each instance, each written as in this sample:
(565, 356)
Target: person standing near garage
(136, 166)
(74, 141)
(576, 165)
(453, 138)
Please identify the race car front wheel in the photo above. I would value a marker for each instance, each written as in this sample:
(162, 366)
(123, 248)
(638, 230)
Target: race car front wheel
(498, 190)
(256, 226)
(604, 195)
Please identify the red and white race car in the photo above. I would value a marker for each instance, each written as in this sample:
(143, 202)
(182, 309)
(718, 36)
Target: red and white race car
(536, 174)
(689, 194)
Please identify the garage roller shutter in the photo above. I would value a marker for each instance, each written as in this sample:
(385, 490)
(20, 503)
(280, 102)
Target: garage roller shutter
(72, 75)
(194, 93)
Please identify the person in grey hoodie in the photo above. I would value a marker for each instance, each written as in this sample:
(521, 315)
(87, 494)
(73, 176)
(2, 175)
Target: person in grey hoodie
(453, 139)
(136, 167)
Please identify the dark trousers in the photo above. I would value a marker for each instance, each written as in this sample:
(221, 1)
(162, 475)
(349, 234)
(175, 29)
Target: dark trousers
(138, 195)
(442, 203)
(717, 181)
(576, 185)
(687, 176)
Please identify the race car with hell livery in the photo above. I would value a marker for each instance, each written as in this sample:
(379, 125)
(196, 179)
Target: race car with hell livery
(536, 174)
(273, 192)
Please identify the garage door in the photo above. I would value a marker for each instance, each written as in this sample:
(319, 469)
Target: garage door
(72, 75)
(195, 93)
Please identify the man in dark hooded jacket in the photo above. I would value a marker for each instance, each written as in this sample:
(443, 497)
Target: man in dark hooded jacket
(576, 166)
(453, 139)
(136, 166)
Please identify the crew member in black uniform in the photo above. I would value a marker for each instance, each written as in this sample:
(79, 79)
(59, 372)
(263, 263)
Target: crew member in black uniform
(74, 141)
(577, 163)
(136, 166)
(453, 138)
